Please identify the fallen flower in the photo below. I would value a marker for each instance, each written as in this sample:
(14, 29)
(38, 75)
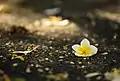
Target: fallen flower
(84, 49)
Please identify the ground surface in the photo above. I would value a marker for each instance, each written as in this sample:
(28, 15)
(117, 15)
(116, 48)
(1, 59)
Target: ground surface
(54, 59)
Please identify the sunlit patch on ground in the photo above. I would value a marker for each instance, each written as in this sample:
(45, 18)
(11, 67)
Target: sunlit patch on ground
(39, 25)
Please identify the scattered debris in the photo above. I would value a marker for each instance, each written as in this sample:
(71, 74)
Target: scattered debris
(82, 66)
(23, 52)
(105, 53)
(89, 75)
(114, 75)
(72, 62)
(98, 77)
(61, 57)
(20, 57)
(47, 69)
(15, 56)
(26, 52)
(28, 70)
(15, 64)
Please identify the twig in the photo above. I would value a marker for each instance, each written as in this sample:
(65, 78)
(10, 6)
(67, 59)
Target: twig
(26, 52)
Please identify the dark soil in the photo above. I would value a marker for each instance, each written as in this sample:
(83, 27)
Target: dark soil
(54, 55)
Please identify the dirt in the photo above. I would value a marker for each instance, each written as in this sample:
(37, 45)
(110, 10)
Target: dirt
(54, 59)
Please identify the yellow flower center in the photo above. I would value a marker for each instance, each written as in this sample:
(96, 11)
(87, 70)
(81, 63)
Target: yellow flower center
(84, 50)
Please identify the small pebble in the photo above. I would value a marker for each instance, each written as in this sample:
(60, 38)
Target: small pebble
(98, 78)
(46, 59)
(96, 44)
(105, 53)
(36, 65)
(47, 69)
(28, 70)
(60, 60)
(115, 36)
(15, 64)
(51, 47)
(72, 63)
(1, 56)
(114, 61)
(50, 42)
(40, 70)
(32, 65)
(79, 62)
(56, 51)
(61, 57)
(89, 75)
(82, 66)
(88, 62)
(69, 53)
(50, 53)
(84, 58)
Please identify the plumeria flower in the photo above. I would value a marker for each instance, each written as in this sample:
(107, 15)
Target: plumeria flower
(84, 49)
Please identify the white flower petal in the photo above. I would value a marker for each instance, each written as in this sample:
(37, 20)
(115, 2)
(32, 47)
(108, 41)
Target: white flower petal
(85, 42)
(76, 47)
(93, 49)
(80, 55)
